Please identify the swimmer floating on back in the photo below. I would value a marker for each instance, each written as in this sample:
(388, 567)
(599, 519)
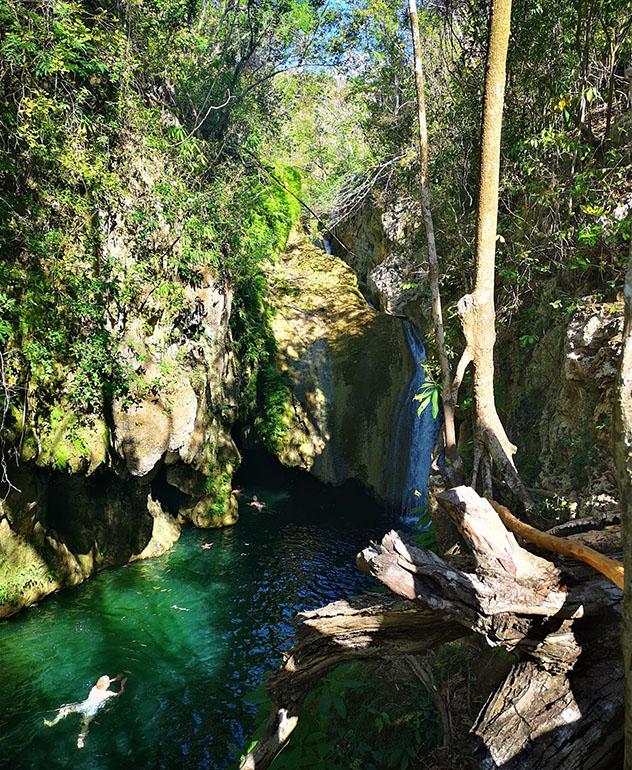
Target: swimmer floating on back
(256, 503)
(88, 708)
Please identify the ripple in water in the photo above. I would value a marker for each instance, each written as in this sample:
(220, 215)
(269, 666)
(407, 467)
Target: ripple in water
(191, 668)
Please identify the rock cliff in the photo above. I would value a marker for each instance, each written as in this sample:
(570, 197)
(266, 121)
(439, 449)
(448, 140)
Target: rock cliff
(346, 366)
(554, 391)
(99, 487)
(558, 399)
(379, 238)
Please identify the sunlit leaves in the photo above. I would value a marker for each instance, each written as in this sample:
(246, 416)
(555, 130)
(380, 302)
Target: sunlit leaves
(428, 396)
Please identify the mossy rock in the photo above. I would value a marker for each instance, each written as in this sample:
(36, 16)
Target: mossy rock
(346, 365)
(32, 565)
(214, 505)
(69, 442)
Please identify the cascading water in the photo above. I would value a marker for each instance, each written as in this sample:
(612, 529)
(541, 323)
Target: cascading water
(407, 487)
(423, 432)
(418, 433)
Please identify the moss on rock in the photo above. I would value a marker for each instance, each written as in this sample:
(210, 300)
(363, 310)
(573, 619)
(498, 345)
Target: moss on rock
(345, 362)
(73, 443)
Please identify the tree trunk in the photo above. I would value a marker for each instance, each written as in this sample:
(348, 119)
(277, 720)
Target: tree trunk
(477, 311)
(623, 455)
(455, 468)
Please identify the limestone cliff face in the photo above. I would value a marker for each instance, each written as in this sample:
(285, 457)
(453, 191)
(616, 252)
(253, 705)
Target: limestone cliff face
(95, 490)
(346, 364)
(92, 493)
(379, 238)
(555, 396)
(559, 399)
(179, 418)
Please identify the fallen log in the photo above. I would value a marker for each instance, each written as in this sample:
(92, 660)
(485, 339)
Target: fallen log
(537, 719)
(507, 610)
(561, 704)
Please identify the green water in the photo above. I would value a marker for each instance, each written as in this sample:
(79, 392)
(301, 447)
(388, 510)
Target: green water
(190, 668)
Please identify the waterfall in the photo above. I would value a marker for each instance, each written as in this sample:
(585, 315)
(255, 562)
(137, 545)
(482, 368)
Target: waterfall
(418, 433)
(414, 436)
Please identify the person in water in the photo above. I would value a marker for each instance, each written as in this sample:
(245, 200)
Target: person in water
(88, 708)
(256, 503)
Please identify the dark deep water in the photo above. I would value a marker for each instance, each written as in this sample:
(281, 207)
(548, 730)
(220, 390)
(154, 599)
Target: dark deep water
(190, 668)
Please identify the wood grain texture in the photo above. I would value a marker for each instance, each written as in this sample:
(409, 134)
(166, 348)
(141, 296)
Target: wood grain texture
(561, 704)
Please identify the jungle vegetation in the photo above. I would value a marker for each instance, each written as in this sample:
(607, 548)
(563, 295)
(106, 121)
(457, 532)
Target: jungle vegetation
(224, 124)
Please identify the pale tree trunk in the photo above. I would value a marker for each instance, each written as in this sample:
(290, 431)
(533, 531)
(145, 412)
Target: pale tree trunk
(454, 465)
(477, 310)
(623, 455)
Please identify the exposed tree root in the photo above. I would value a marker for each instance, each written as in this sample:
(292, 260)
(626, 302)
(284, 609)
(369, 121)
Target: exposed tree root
(612, 569)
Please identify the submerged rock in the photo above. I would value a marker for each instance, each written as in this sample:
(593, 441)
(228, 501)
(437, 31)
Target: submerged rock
(346, 366)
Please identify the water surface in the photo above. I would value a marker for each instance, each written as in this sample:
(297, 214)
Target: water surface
(196, 628)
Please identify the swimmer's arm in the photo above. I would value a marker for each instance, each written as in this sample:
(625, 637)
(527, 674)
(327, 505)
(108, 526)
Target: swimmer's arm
(122, 690)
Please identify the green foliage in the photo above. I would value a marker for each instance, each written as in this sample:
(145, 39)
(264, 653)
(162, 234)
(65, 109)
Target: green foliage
(218, 485)
(551, 511)
(274, 396)
(265, 391)
(147, 123)
(580, 452)
(424, 533)
(527, 339)
(384, 84)
(430, 392)
(321, 134)
(31, 571)
(428, 395)
(564, 210)
(349, 721)
(278, 209)
(565, 167)
(117, 195)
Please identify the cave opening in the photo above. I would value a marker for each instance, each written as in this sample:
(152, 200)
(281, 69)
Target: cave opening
(171, 498)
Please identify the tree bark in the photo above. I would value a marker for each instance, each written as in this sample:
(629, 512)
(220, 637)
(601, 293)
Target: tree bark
(366, 627)
(455, 466)
(560, 706)
(539, 719)
(476, 310)
(623, 455)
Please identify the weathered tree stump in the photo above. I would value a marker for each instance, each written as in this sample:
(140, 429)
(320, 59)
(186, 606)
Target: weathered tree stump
(560, 706)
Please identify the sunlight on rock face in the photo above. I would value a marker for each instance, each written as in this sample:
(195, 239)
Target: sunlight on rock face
(331, 344)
